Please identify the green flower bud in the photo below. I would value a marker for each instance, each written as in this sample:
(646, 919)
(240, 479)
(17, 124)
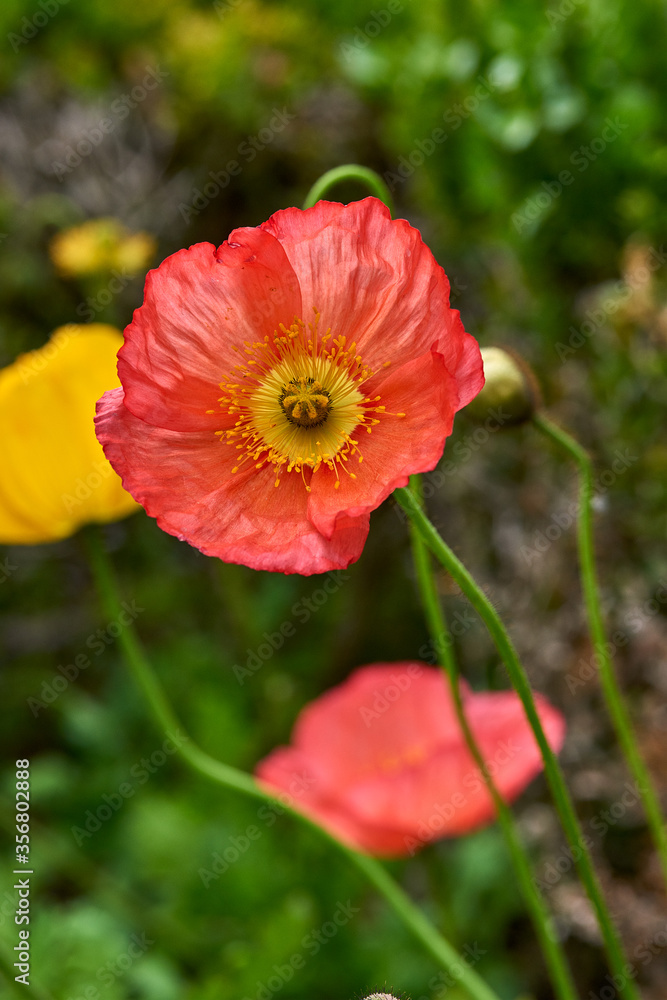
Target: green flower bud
(510, 389)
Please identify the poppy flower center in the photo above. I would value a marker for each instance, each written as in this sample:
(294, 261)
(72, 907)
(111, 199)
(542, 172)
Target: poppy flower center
(305, 402)
(298, 403)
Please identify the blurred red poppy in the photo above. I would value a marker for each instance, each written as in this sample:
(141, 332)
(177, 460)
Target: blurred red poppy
(382, 763)
(330, 334)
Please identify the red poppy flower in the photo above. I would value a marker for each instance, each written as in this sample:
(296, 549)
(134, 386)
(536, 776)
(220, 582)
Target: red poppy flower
(380, 760)
(341, 366)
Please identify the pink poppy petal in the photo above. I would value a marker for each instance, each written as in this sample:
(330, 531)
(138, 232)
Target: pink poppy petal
(197, 304)
(200, 357)
(431, 800)
(396, 301)
(184, 480)
(499, 722)
(388, 765)
(289, 771)
(446, 795)
(380, 713)
(426, 393)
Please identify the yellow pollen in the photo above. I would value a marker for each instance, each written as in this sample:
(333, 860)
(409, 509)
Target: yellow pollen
(296, 403)
(409, 757)
(305, 402)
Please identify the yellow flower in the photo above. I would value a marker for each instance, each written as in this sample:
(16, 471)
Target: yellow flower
(54, 474)
(134, 253)
(100, 245)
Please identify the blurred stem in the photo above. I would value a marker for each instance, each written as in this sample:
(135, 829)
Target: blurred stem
(230, 777)
(610, 687)
(442, 640)
(521, 684)
(350, 172)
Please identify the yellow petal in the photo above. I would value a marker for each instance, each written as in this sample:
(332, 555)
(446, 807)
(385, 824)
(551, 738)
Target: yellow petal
(54, 474)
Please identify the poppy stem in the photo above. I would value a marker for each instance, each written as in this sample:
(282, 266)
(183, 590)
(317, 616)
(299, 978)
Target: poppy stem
(610, 687)
(442, 640)
(521, 684)
(421, 926)
(350, 172)
(230, 777)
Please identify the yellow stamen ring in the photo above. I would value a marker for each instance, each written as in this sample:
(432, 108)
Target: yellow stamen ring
(297, 402)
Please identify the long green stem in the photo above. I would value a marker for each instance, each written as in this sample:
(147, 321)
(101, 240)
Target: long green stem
(350, 172)
(519, 680)
(442, 641)
(230, 777)
(612, 694)
(422, 928)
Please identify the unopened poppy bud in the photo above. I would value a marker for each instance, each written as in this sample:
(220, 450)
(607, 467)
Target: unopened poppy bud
(510, 388)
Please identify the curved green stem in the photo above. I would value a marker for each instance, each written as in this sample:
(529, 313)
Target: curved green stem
(442, 641)
(610, 687)
(554, 775)
(350, 172)
(422, 928)
(230, 777)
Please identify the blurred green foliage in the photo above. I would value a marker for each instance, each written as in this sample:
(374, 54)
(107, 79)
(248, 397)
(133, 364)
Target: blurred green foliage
(521, 93)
